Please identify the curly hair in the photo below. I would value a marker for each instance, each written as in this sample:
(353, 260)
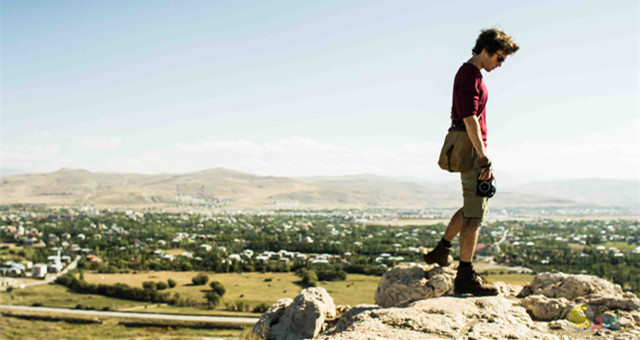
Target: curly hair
(493, 39)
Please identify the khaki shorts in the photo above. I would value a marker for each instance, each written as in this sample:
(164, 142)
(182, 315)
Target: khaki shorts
(474, 207)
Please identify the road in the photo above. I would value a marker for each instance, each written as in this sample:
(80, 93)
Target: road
(175, 317)
(504, 238)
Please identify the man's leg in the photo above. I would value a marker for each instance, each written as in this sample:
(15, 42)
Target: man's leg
(440, 254)
(467, 280)
(455, 224)
(468, 241)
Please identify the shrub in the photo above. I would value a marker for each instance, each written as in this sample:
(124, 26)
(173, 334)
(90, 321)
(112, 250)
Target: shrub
(309, 278)
(200, 279)
(217, 287)
(172, 283)
(161, 285)
(213, 299)
(261, 308)
(332, 275)
(149, 285)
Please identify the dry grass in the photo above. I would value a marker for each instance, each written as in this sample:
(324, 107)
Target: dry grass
(517, 279)
(252, 288)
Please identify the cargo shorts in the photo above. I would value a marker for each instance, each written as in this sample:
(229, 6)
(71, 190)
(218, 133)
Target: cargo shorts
(474, 207)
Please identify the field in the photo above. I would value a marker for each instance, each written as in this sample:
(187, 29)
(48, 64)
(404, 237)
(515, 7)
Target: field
(252, 288)
(16, 328)
(59, 296)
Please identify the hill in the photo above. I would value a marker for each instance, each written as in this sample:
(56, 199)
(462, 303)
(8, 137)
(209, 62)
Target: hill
(222, 187)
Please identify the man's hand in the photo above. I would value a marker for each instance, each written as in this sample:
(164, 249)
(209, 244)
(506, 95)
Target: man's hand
(486, 174)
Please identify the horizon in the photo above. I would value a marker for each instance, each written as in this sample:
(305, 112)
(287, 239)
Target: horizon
(324, 89)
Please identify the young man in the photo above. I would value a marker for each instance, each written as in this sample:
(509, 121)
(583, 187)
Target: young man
(468, 114)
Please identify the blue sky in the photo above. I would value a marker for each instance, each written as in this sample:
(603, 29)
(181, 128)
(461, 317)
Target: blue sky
(300, 88)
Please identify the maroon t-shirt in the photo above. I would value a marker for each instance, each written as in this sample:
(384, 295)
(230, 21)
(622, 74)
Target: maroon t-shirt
(470, 97)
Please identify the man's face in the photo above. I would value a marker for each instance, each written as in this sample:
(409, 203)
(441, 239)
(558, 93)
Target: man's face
(490, 62)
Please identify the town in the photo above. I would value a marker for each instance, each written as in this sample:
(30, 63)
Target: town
(344, 242)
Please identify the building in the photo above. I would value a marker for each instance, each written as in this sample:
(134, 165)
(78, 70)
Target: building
(39, 271)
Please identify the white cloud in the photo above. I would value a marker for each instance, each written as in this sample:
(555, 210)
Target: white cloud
(95, 143)
(26, 156)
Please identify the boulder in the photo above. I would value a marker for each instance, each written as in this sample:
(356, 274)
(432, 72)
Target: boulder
(262, 328)
(406, 283)
(545, 309)
(442, 317)
(550, 296)
(570, 287)
(301, 318)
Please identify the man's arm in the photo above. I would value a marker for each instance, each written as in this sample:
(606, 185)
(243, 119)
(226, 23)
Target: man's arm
(474, 132)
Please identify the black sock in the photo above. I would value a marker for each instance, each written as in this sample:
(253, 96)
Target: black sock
(465, 264)
(445, 243)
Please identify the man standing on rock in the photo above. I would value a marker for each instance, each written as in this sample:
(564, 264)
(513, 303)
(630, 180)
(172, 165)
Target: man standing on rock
(468, 114)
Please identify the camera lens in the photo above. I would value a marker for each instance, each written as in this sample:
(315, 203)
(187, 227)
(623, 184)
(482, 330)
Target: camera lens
(484, 186)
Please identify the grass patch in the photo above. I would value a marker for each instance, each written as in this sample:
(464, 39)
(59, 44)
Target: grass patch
(110, 328)
(622, 246)
(518, 279)
(252, 288)
(576, 247)
(59, 296)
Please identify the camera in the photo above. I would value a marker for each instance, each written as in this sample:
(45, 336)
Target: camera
(486, 188)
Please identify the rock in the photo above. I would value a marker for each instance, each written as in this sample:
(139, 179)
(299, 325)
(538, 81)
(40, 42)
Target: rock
(304, 317)
(442, 317)
(543, 308)
(550, 296)
(570, 287)
(406, 283)
(606, 303)
(272, 316)
(560, 325)
(506, 289)
(625, 336)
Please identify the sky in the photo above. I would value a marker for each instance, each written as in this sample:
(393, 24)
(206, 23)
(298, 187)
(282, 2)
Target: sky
(304, 88)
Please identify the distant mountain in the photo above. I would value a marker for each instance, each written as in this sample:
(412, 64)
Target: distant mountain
(234, 189)
(605, 192)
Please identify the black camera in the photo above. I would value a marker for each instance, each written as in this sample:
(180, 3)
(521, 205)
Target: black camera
(486, 188)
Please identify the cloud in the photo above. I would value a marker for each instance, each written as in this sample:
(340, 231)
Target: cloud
(27, 156)
(95, 143)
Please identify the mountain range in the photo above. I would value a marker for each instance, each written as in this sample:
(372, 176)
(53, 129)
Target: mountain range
(234, 189)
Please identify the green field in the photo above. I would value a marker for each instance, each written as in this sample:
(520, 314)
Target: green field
(622, 246)
(58, 296)
(16, 328)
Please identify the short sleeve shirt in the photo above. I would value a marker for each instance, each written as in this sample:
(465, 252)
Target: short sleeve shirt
(470, 97)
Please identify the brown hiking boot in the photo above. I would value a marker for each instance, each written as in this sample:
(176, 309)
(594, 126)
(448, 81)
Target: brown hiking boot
(469, 282)
(439, 255)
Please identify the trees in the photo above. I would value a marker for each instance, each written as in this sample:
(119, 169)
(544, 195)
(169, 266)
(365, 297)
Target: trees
(213, 299)
(218, 288)
(309, 278)
(200, 279)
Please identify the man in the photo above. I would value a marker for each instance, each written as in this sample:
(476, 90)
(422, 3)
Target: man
(469, 113)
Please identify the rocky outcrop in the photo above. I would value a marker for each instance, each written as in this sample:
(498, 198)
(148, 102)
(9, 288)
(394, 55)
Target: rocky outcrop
(406, 283)
(437, 318)
(410, 305)
(550, 296)
(300, 318)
